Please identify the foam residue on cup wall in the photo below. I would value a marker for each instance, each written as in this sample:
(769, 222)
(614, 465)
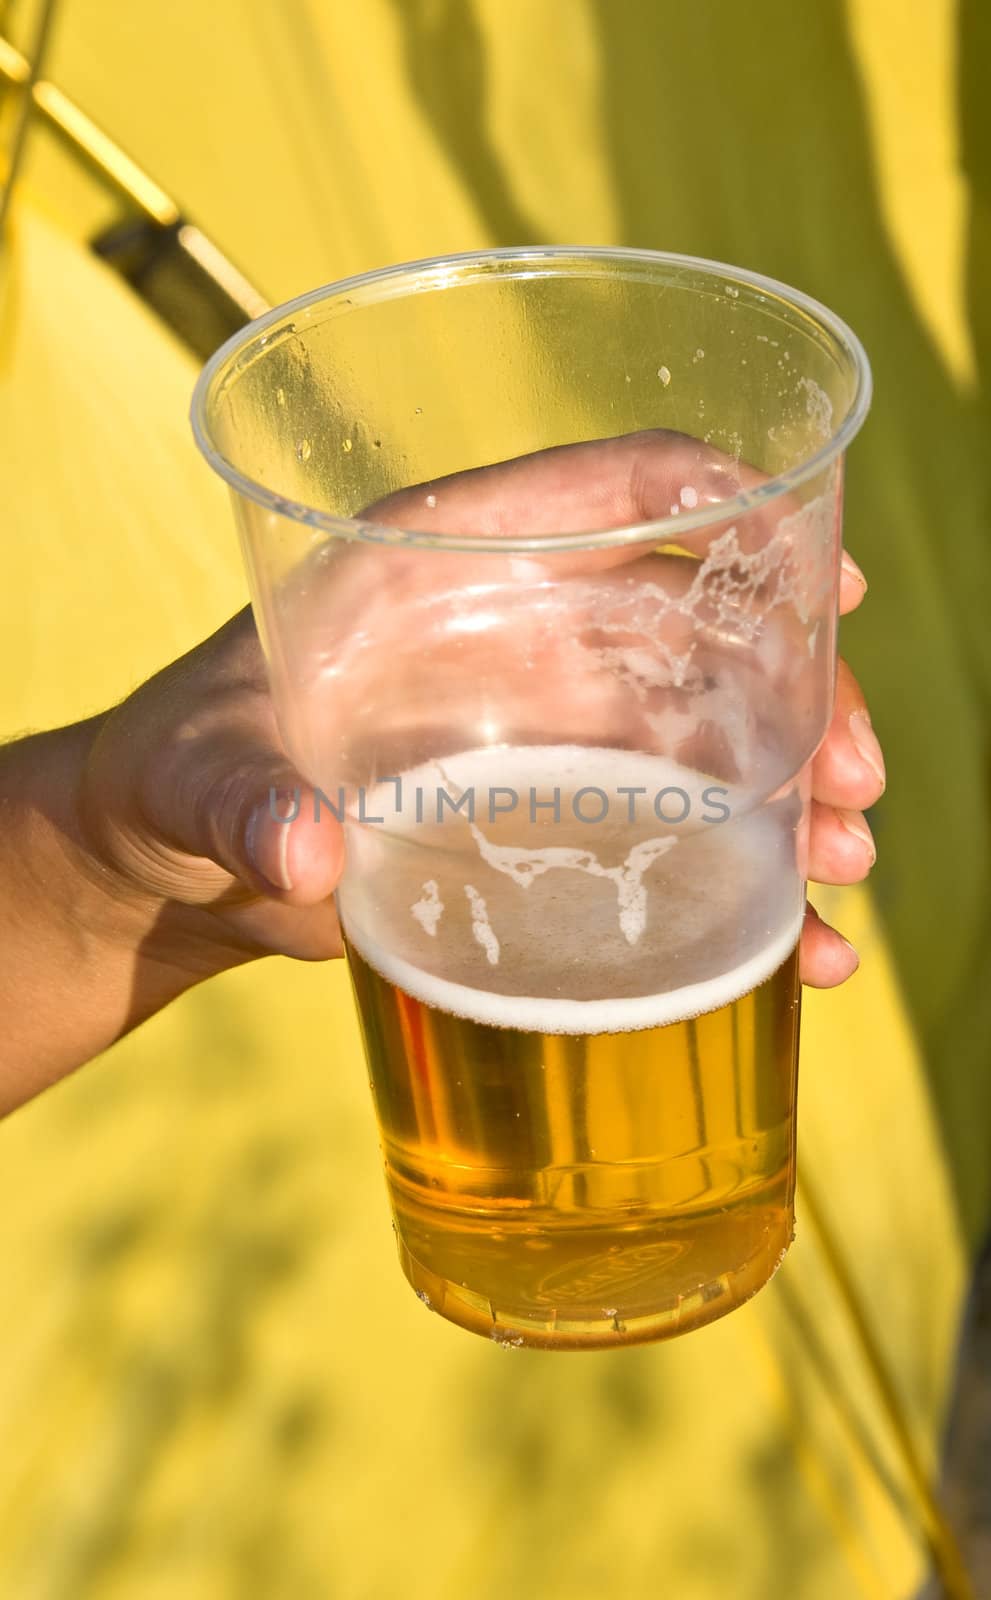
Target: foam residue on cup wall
(523, 866)
(818, 406)
(481, 927)
(429, 909)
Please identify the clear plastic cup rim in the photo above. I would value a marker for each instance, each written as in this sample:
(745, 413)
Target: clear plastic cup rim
(433, 273)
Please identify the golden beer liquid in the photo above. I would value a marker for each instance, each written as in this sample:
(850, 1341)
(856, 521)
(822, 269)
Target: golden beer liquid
(570, 1191)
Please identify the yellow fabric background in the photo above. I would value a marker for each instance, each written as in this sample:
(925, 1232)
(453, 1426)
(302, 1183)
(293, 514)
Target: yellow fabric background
(214, 1379)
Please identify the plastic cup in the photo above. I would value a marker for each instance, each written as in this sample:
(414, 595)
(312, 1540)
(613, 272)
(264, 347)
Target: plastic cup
(543, 548)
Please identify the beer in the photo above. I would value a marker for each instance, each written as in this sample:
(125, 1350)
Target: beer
(583, 1047)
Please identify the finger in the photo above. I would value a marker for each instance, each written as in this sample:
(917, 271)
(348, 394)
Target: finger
(293, 844)
(574, 488)
(260, 926)
(853, 585)
(841, 846)
(848, 770)
(826, 959)
(592, 487)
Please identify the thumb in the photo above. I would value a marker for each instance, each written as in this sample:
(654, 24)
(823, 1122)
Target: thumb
(291, 841)
(245, 808)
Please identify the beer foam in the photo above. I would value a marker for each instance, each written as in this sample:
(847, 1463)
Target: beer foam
(542, 766)
(714, 908)
(536, 1015)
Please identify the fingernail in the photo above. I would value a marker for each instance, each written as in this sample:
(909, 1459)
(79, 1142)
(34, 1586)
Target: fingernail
(272, 844)
(854, 822)
(852, 570)
(856, 958)
(865, 739)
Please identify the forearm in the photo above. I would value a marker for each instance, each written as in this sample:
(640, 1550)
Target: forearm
(81, 959)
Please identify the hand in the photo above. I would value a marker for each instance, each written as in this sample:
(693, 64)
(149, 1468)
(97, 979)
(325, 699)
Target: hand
(177, 785)
(139, 856)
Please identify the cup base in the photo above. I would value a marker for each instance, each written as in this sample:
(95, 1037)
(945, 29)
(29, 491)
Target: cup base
(607, 1328)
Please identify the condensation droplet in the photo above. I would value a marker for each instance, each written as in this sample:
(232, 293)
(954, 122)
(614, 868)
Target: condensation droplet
(280, 398)
(304, 449)
(347, 445)
(418, 411)
(664, 375)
